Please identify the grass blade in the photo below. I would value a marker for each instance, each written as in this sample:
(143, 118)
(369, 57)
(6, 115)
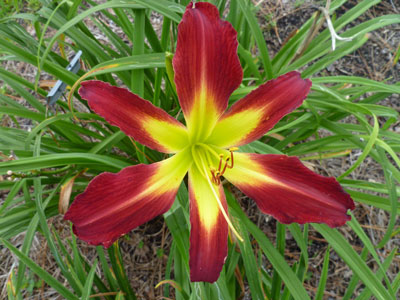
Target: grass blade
(258, 36)
(87, 288)
(49, 279)
(353, 260)
(280, 265)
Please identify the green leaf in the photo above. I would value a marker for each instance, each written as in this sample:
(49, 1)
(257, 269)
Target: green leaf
(258, 36)
(61, 159)
(49, 279)
(368, 244)
(324, 276)
(250, 263)
(353, 260)
(118, 269)
(376, 85)
(87, 288)
(13, 192)
(280, 265)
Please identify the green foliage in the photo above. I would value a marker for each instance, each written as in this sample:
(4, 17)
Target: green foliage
(35, 164)
(9, 7)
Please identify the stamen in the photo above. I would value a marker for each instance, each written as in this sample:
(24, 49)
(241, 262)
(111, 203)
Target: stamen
(222, 209)
(217, 174)
(214, 178)
(217, 177)
(221, 156)
(225, 166)
(231, 151)
(231, 158)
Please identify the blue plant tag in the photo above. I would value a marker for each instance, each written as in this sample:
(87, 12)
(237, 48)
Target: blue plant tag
(60, 86)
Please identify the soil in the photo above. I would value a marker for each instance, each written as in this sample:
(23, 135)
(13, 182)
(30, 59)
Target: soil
(145, 250)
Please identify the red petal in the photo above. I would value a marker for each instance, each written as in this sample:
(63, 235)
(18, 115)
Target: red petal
(284, 188)
(251, 117)
(209, 230)
(138, 118)
(207, 68)
(114, 204)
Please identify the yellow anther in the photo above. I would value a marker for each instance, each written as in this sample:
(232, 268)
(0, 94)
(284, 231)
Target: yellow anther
(216, 174)
(224, 163)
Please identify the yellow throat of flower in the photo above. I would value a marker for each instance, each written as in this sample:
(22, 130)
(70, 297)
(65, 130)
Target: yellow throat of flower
(205, 158)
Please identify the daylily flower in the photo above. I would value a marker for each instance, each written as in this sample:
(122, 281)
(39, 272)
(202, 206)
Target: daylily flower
(207, 71)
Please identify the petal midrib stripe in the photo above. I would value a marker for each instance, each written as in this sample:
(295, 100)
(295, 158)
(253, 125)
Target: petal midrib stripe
(155, 185)
(264, 178)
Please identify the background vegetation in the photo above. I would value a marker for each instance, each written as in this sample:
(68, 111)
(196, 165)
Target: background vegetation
(48, 156)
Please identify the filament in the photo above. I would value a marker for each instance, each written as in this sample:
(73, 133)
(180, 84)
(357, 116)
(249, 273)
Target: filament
(230, 225)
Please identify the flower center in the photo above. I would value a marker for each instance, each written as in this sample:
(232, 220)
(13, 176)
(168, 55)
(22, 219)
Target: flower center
(204, 157)
(212, 159)
(227, 162)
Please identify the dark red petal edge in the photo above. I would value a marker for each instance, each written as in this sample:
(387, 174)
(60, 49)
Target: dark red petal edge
(110, 206)
(208, 248)
(129, 112)
(273, 99)
(301, 196)
(206, 57)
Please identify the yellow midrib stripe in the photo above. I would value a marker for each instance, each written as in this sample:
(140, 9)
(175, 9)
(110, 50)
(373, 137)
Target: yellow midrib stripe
(264, 178)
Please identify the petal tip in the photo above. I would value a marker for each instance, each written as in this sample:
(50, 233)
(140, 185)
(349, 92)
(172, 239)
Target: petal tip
(208, 277)
(338, 222)
(115, 203)
(85, 85)
(135, 116)
(207, 274)
(93, 242)
(208, 45)
(291, 192)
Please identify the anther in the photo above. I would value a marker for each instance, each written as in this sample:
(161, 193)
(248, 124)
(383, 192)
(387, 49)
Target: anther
(216, 174)
(222, 209)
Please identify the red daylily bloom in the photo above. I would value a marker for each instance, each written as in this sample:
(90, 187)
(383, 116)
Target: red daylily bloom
(207, 71)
